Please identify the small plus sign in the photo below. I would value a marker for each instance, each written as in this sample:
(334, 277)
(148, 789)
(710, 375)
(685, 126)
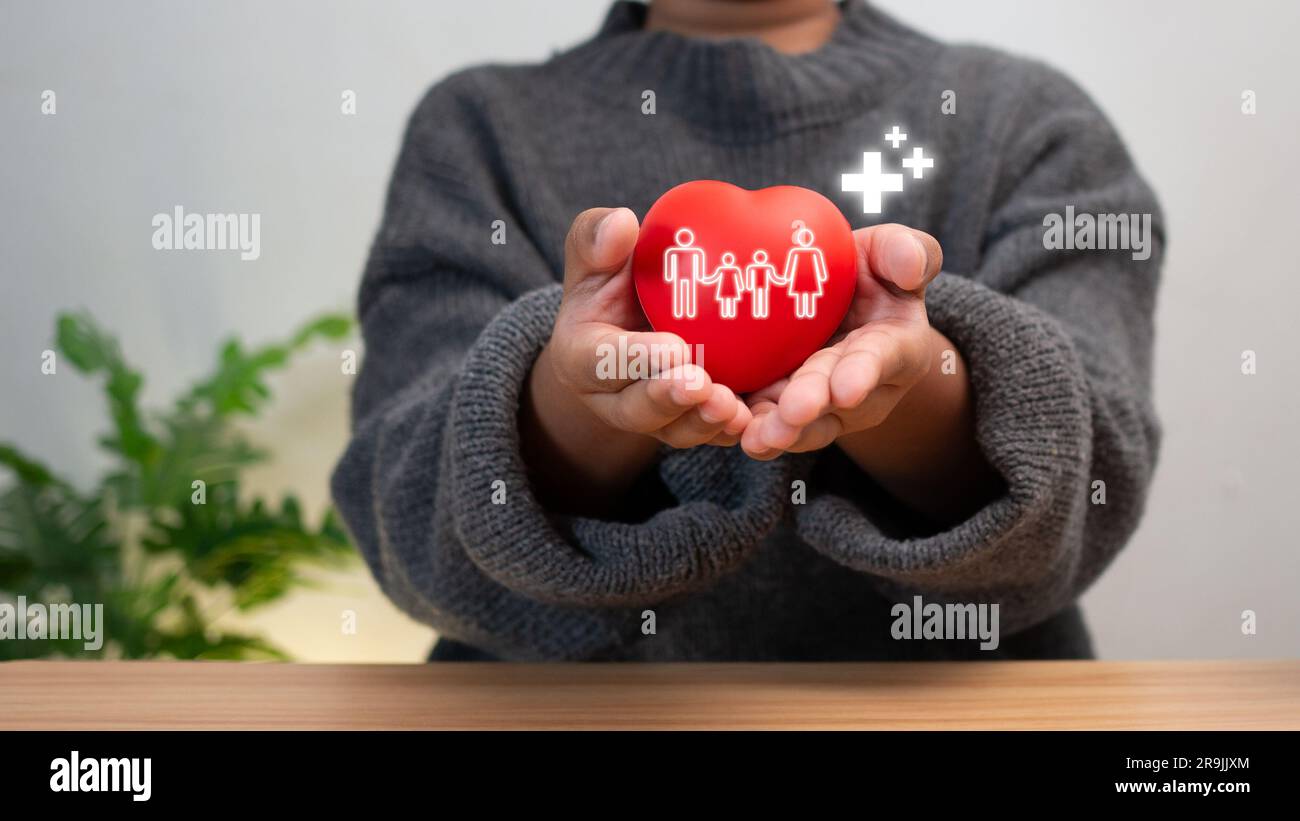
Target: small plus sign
(918, 163)
(871, 182)
(895, 137)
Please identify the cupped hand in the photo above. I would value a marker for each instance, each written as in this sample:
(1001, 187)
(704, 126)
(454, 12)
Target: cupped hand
(881, 350)
(600, 320)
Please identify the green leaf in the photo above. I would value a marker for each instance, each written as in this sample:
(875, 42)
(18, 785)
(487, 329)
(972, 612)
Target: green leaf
(83, 344)
(194, 446)
(238, 384)
(251, 548)
(330, 326)
(229, 647)
(27, 470)
(55, 540)
(52, 537)
(92, 351)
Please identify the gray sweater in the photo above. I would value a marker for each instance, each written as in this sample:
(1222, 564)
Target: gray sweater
(1058, 342)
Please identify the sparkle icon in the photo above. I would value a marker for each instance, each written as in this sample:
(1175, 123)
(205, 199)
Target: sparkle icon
(918, 162)
(872, 182)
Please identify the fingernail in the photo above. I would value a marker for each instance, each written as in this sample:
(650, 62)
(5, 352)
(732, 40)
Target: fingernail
(603, 226)
(905, 253)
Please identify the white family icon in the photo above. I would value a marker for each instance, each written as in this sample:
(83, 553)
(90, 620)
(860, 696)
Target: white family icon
(686, 269)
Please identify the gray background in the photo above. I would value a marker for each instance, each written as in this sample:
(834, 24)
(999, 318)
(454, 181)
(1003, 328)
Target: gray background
(234, 106)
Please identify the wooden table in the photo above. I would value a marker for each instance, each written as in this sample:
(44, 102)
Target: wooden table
(973, 695)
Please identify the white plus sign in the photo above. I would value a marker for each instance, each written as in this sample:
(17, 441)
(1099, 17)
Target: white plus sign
(871, 182)
(895, 137)
(918, 163)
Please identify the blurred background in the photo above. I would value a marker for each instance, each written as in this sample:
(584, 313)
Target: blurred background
(236, 107)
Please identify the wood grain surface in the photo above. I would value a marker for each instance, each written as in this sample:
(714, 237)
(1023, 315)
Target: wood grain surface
(970, 695)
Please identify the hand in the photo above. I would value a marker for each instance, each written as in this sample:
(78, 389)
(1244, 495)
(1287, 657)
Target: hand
(884, 347)
(585, 433)
(600, 317)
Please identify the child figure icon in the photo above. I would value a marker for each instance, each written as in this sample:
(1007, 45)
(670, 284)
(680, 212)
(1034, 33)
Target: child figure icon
(759, 276)
(805, 271)
(730, 285)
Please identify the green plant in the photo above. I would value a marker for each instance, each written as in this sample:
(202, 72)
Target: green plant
(167, 530)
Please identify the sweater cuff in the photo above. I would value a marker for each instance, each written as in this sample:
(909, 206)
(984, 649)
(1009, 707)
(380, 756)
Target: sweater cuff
(1033, 425)
(725, 502)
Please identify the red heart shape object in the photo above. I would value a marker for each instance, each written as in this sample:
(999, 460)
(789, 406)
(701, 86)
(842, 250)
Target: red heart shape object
(754, 281)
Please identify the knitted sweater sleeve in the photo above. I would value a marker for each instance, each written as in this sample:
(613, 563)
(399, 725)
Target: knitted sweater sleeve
(432, 485)
(1058, 344)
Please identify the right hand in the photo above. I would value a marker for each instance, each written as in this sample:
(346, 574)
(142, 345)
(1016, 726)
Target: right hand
(680, 405)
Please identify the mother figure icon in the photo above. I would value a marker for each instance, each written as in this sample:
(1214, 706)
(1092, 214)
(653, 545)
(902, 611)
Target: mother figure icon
(805, 270)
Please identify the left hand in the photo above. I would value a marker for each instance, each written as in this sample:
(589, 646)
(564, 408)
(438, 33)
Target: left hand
(881, 350)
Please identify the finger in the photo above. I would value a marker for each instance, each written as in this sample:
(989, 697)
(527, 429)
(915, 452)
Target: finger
(744, 416)
(856, 375)
(724, 440)
(722, 403)
(704, 422)
(776, 434)
(751, 441)
(821, 433)
(721, 406)
(733, 427)
(740, 417)
(599, 358)
(599, 244)
(751, 438)
(870, 357)
(808, 394)
(908, 258)
(771, 393)
(877, 356)
(647, 405)
(688, 430)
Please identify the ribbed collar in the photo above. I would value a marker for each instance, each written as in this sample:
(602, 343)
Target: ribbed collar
(743, 83)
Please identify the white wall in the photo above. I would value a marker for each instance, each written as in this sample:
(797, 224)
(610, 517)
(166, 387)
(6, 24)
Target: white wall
(234, 106)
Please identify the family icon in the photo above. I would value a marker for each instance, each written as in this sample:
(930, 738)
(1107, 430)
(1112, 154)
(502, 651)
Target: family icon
(686, 270)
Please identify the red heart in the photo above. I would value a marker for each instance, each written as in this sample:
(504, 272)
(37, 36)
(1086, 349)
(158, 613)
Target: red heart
(679, 257)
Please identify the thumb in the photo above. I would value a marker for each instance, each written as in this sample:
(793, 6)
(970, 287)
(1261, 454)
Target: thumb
(599, 243)
(905, 257)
